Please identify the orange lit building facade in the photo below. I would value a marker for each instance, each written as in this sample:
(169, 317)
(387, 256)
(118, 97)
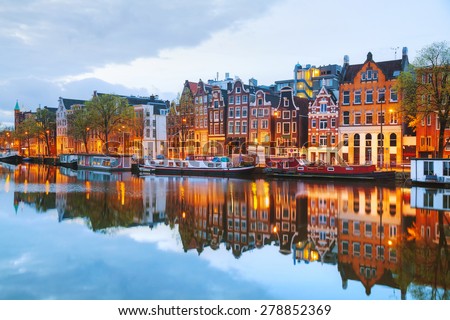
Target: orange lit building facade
(371, 129)
(323, 118)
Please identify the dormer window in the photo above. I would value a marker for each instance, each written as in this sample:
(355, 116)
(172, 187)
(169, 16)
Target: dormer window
(323, 107)
(238, 90)
(286, 102)
(369, 74)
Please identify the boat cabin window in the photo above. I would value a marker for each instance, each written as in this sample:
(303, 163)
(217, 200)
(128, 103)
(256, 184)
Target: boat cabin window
(428, 168)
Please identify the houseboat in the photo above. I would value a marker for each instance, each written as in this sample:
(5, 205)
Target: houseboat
(10, 156)
(199, 166)
(430, 171)
(102, 162)
(68, 160)
(302, 168)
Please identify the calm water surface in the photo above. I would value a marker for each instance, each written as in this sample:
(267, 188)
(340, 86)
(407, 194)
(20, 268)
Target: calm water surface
(87, 235)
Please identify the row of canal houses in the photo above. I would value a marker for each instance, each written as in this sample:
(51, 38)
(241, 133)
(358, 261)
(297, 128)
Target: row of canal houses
(331, 113)
(326, 114)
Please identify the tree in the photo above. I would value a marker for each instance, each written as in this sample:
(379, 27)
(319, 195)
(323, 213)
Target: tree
(46, 121)
(425, 88)
(79, 126)
(108, 114)
(27, 129)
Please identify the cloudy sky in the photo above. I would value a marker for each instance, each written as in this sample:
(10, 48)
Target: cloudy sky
(69, 48)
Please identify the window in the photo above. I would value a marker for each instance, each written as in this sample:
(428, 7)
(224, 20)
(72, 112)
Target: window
(357, 118)
(428, 168)
(254, 124)
(446, 168)
(356, 228)
(381, 95)
(238, 112)
(394, 97)
(345, 247)
(244, 126)
(357, 97)
(238, 90)
(356, 140)
(264, 124)
(238, 127)
(375, 75)
(346, 117)
(368, 250)
(313, 123)
(323, 107)
(369, 117)
(231, 127)
(368, 140)
(323, 141)
(333, 140)
(231, 113)
(244, 99)
(286, 128)
(346, 97)
(323, 123)
(286, 102)
(238, 100)
(356, 249)
(333, 122)
(368, 229)
(428, 200)
(260, 102)
(313, 140)
(345, 139)
(231, 100)
(369, 96)
(393, 140)
(286, 114)
(216, 104)
(244, 112)
(394, 117)
(369, 74)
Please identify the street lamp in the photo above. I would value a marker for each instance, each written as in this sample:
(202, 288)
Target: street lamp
(183, 138)
(381, 142)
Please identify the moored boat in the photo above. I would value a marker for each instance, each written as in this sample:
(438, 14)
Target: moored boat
(68, 160)
(200, 166)
(10, 156)
(104, 162)
(302, 168)
(430, 171)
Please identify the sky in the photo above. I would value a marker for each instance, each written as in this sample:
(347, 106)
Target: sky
(69, 49)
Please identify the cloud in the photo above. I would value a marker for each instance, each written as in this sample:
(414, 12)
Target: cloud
(47, 38)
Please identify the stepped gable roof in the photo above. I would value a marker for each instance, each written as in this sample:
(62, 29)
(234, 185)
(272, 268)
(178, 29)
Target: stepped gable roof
(390, 68)
(68, 103)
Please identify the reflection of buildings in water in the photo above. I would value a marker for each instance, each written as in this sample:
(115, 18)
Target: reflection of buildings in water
(200, 204)
(322, 204)
(289, 215)
(428, 241)
(369, 229)
(154, 194)
(103, 204)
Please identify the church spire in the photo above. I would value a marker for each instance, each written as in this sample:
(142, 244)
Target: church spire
(17, 106)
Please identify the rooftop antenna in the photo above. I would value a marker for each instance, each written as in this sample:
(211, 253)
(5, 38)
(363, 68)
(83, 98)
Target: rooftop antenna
(395, 52)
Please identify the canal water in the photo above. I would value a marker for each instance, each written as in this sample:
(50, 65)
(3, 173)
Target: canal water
(73, 235)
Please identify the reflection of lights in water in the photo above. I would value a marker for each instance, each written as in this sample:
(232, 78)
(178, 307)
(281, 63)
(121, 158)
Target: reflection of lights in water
(122, 192)
(7, 183)
(47, 187)
(88, 189)
(25, 186)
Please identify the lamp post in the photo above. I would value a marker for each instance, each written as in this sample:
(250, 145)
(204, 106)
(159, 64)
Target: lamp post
(183, 138)
(381, 142)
